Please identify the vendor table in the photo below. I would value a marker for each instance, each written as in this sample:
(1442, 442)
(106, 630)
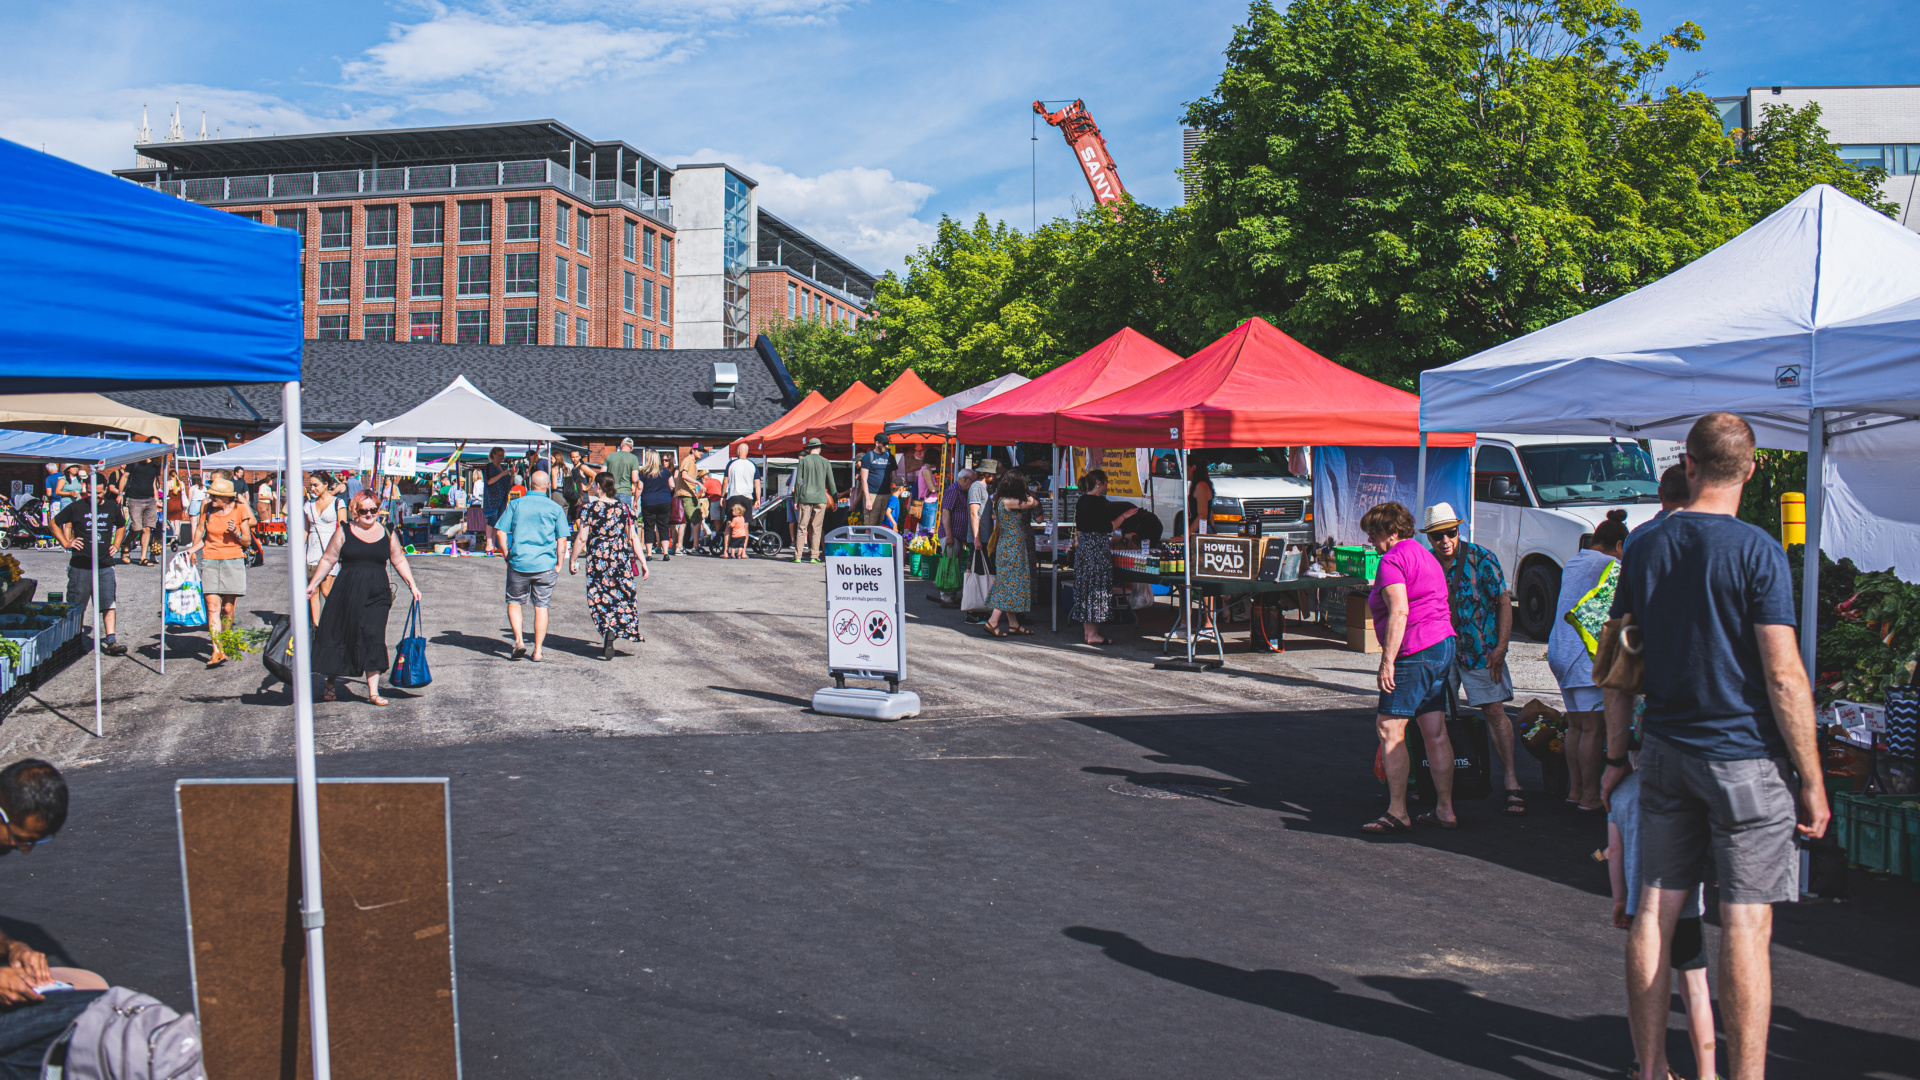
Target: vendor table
(1222, 587)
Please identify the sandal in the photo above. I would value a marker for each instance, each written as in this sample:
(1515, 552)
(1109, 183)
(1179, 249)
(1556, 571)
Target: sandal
(331, 694)
(1432, 817)
(995, 631)
(216, 660)
(376, 699)
(1020, 631)
(1386, 823)
(1516, 803)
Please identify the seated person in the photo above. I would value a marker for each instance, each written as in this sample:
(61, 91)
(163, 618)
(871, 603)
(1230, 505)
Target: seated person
(1142, 526)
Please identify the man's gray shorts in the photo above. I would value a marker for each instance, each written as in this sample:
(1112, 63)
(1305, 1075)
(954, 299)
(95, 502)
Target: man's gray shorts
(537, 587)
(1482, 688)
(1738, 813)
(80, 587)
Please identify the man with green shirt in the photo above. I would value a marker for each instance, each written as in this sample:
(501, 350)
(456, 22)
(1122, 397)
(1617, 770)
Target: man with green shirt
(623, 466)
(811, 499)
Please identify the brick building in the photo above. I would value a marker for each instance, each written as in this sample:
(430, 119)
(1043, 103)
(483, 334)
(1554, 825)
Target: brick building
(797, 277)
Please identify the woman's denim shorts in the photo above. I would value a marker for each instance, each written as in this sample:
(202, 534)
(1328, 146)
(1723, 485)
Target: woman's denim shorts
(1420, 681)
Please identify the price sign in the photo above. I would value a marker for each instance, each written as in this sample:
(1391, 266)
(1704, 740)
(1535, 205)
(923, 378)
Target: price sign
(864, 602)
(398, 457)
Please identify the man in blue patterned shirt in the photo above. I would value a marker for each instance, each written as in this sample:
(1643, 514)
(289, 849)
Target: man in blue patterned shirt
(1483, 623)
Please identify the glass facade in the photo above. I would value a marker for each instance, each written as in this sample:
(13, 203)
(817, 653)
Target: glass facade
(737, 254)
(1899, 159)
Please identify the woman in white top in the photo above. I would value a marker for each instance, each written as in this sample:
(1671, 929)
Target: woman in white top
(323, 510)
(1572, 665)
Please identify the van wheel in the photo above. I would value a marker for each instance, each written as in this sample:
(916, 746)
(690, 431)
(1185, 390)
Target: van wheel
(1539, 595)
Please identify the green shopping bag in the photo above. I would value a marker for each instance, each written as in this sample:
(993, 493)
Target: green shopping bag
(947, 578)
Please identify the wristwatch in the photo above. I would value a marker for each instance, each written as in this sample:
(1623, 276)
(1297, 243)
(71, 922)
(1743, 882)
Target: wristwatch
(1617, 762)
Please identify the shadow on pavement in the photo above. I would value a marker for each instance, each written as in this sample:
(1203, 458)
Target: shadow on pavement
(784, 699)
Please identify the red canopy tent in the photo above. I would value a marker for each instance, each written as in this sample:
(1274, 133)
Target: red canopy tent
(794, 439)
(1026, 413)
(1254, 387)
(857, 427)
(809, 406)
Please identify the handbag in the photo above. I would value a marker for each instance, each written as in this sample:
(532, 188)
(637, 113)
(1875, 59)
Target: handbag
(277, 656)
(676, 512)
(977, 583)
(186, 600)
(410, 671)
(1620, 662)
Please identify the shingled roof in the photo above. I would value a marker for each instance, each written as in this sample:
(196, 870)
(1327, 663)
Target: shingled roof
(577, 391)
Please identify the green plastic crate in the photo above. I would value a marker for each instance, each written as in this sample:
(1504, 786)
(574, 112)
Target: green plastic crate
(1880, 833)
(1357, 561)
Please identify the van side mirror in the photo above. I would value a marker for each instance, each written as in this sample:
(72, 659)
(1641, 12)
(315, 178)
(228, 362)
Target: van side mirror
(1501, 488)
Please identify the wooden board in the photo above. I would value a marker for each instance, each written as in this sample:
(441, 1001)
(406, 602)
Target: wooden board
(386, 885)
(1234, 558)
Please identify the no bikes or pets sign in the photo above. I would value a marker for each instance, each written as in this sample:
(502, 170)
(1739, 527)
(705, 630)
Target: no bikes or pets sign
(863, 607)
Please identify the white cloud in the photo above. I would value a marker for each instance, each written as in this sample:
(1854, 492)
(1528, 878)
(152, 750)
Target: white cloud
(866, 214)
(510, 53)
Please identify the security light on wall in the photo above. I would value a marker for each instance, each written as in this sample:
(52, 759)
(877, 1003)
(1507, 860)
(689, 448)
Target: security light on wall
(726, 380)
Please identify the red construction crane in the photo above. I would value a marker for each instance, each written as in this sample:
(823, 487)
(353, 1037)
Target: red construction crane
(1089, 149)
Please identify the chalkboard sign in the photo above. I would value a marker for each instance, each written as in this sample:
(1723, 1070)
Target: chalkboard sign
(1231, 557)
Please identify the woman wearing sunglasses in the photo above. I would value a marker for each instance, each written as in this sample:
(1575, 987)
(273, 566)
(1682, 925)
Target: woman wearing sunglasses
(352, 639)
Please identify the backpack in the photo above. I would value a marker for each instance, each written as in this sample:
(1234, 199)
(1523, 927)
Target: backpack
(126, 1035)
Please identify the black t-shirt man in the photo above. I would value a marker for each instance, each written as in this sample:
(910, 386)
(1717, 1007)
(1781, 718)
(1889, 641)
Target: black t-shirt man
(79, 516)
(141, 478)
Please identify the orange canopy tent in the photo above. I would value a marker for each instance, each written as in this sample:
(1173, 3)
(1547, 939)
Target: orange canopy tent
(809, 406)
(858, 427)
(794, 439)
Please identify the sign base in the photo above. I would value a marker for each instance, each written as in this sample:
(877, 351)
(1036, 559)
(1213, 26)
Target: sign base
(1181, 663)
(863, 704)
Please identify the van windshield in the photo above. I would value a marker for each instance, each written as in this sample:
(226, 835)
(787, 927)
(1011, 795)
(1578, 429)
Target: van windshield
(1243, 461)
(1597, 472)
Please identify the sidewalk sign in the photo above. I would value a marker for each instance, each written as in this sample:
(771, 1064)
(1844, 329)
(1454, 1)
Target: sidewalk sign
(866, 616)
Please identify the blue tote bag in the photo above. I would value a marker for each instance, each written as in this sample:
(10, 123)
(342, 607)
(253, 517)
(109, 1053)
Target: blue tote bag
(410, 671)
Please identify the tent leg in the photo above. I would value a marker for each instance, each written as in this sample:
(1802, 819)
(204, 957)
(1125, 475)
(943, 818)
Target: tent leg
(1810, 569)
(312, 915)
(93, 601)
(1420, 483)
(1186, 564)
(1053, 539)
(166, 528)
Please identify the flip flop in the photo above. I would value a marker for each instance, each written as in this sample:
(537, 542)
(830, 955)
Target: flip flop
(1433, 818)
(1516, 803)
(1386, 823)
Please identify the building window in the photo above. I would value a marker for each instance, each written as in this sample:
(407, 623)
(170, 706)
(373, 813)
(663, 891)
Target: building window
(560, 286)
(250, 215)
(646, 250)
(425, 279)
(523, 219)
(475, 272)
(646, 299)
(580, 287)
(377, 327)
(579, 331)
(476, 222)
(336, 281)
(646, 339)
(626, 293)
(295, 220)
(523, 274)
(423, 326)
(665, 343)
(383, 226)
(470, 327)
(560, 324)
(522, 326)
(333, 328)
(429, 223)
(580, 234)
(666, 307)
(562, 218)
(336, 228)
(666, 256)
(793, 300)
(626, 239)
(380, 278)
(626, 335)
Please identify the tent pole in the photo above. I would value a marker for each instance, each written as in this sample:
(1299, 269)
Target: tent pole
(1053, 539)
(166, 528)
(1420, 483)
(1186, 564)
(93, 601)
(1810, 566)
(312, 915)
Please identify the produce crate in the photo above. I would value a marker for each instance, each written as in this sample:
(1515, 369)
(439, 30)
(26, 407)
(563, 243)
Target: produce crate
(1357, 561)
(29, 650)
(1881, 832)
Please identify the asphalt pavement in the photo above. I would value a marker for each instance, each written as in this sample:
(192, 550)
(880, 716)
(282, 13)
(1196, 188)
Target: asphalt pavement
(1073, 866)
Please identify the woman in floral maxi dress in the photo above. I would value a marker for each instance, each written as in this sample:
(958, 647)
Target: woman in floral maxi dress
(606, 533)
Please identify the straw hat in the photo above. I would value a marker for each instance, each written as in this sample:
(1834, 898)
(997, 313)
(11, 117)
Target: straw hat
(222, 486)
(1440, 516)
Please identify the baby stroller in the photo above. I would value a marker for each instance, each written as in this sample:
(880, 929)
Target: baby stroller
(28, 526)
(761, 537)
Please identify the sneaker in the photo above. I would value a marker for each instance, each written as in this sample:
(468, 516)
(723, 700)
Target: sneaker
(799, 558)
(816, 562)
(114, 648)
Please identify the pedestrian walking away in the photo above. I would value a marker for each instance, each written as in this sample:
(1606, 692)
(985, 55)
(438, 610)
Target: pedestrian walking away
(624, 467)
(1012, 593)
(812, 496)
(352, 640)
(1590, 573)
(686, 489)
(497, 476)
(1094, 520)
(611, 542)
(656, 505)
(1482, 609)
(1414, 627)
(93, 537)
(535, 534)
(222, 536)
(1727, 729)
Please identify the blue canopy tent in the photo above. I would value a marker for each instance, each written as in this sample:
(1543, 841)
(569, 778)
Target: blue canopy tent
(107, 285)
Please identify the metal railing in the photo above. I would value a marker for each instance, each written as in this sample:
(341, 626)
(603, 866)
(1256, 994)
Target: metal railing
(418, 178)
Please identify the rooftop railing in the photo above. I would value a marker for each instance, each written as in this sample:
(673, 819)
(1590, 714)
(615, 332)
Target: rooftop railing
(418, 178)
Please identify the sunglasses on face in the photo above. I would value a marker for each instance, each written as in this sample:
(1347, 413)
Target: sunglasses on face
(1447, 534)
(24, 845)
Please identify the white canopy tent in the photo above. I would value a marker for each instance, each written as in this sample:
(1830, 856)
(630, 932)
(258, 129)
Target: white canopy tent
(939, 418)
(462, 413)
(1806, 324)
(86, 410)
(349, 450)
(268, 453)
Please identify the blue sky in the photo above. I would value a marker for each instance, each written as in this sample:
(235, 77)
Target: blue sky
(863, 121)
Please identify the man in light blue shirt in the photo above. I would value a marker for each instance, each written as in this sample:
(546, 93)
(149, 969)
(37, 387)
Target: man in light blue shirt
(535, 530)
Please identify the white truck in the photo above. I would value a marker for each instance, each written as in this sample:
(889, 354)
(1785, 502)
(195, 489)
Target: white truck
(1535, 496)
(1253, 482)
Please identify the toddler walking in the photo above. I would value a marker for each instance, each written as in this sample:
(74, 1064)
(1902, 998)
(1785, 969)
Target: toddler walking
(737, 533)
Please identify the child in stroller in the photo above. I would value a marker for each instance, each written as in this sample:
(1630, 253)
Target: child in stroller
(26, 526)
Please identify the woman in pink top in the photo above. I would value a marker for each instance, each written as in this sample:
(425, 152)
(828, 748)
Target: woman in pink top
(1415, 629)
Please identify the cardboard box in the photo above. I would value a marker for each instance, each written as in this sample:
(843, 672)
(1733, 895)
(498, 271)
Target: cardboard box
(1360, 637)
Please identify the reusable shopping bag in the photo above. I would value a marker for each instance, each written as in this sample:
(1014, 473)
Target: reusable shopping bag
(977, 584)
(950, 576)
(186, 600)
(410, 671)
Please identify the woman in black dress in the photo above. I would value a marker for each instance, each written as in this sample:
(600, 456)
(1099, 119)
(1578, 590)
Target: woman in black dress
(1094, 519)
(352, 639)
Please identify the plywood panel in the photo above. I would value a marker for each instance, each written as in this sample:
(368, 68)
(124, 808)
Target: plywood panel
(389, 919)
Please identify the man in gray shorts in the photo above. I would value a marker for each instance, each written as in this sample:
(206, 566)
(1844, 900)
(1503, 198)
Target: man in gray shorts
(1482, 609)
(1728, 724)
(535, 530)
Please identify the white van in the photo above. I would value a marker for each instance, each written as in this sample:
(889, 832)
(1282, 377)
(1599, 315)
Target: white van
(1247, 482)
(1535, 496)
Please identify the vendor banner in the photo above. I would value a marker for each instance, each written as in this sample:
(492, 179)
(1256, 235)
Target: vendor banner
(399, 457)
(1122, 467)
(1350, 480)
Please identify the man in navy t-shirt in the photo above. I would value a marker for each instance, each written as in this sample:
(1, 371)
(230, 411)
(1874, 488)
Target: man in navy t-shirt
(872, 489)
(1728, 721)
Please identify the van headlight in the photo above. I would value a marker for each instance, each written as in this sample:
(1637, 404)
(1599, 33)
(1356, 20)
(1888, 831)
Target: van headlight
(1225, 509)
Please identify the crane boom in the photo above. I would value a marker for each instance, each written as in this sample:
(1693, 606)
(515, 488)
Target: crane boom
(1089, 149)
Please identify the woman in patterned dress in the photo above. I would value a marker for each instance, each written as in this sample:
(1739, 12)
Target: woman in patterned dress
(607, 534)
(1094, 520)
(1013, 558)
